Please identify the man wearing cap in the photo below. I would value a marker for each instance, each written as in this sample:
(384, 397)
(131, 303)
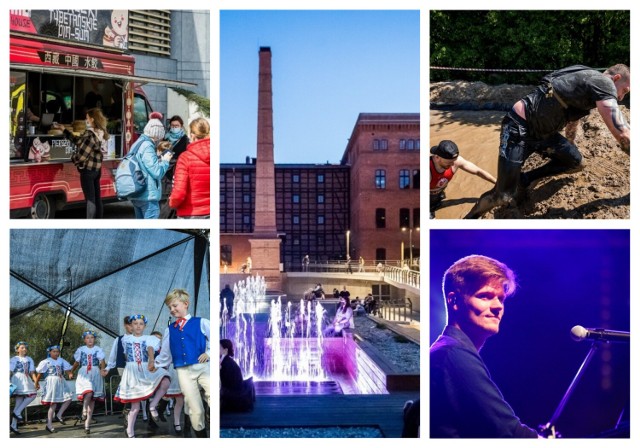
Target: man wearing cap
(445, 160)
(534, 124)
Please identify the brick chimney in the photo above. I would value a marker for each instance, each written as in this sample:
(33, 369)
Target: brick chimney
(265, 243)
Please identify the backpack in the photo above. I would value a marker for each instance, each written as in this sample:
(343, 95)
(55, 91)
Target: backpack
(130, 179)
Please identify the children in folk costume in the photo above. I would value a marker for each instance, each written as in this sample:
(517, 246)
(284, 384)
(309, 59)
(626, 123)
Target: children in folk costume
(140, 379)
(185, 343)
(174, 392)
(23, 375)
(89, 382)
(54, 390)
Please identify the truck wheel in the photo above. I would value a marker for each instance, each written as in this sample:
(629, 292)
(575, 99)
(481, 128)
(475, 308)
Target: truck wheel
(43, 207)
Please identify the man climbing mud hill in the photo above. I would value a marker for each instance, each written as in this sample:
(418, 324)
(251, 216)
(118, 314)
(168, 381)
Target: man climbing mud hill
(533, 125)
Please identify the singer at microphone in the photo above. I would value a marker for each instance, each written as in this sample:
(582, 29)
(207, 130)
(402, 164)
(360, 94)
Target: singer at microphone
(465, 402)
(579, 333)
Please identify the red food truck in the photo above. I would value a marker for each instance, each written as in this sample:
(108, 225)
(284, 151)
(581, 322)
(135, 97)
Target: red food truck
(62, 63)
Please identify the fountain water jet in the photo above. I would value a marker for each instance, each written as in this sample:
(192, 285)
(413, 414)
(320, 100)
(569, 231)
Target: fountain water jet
(293, 343)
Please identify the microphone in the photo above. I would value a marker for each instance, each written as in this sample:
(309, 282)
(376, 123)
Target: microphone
(579, 333)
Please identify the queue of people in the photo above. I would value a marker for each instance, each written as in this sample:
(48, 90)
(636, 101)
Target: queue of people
(175, 163)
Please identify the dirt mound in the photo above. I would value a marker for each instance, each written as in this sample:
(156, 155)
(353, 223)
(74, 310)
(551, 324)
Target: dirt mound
(600, 191)
(477, 94)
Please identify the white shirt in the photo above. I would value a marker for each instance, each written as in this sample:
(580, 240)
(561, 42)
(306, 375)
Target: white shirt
(165, 358)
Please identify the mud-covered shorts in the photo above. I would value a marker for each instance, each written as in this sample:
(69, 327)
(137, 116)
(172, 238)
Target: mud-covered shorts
(516, 146)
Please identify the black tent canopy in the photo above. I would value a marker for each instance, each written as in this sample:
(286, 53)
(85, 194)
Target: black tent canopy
(100, 275)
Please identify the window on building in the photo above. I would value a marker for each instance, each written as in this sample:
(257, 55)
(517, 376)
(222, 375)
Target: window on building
(416, 179)
(380, 144)
(296, 241)
(320, 240)
(320, 178)
(295, 178)
(320, 219)
(223, 219)
(381, 218)
(405, 179)
(296, 198)
(405, 219)
(416, 218)
(225, 254)
(320, 199)
(295, 219)
(246, 198)
(410, 145)
(403, 144)
(381, 179)
(246, 178)
(381, 255)
(418, 145)
(223, 198)
(246, 219)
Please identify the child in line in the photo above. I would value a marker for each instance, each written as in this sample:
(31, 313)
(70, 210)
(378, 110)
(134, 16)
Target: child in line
(162, 146)
(89, 382)
(140, 379)
(186, 344)
(23, 375)
(54, 390)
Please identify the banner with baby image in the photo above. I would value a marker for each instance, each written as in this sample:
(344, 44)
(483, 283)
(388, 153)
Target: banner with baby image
(108, 28)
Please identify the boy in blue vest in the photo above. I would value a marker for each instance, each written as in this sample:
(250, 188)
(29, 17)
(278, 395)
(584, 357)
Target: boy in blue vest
(186, 344)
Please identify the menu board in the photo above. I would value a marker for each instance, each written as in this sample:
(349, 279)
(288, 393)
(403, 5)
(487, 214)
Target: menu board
(106, 28)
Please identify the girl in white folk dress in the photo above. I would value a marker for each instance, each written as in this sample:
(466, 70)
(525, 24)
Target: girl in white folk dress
(23, 374)
(54, 390)
(139, 383)
(89, 381)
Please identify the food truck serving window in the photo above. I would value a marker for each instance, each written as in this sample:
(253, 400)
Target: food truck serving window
(40, 99)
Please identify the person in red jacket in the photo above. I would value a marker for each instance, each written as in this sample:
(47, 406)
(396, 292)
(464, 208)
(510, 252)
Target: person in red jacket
(190, 195)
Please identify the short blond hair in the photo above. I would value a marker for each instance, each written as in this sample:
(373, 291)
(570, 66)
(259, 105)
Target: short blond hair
(467, 275)
(177, 294)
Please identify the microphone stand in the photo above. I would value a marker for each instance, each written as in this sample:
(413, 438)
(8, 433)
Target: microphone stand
(549, 428)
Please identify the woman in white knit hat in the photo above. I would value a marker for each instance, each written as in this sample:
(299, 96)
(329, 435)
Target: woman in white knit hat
(146, 204)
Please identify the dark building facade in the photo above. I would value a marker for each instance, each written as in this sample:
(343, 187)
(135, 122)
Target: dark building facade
(312, 212)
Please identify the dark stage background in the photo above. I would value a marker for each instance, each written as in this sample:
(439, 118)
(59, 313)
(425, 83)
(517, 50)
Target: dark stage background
(566, 278)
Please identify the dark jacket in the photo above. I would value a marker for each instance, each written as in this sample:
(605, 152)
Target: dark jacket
(230, 376)
(464, 401)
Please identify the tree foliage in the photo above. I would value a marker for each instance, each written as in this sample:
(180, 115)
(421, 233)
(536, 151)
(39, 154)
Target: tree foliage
(204, 104)
(43, 327)
(543, 40)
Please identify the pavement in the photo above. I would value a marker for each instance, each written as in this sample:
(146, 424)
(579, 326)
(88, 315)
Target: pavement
(410, 330)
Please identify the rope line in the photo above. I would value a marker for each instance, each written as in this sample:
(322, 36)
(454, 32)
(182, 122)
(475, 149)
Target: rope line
(502, 70)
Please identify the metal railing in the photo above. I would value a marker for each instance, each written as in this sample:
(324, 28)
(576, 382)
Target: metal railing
(402, 275)
(396, 310)
(369, 266)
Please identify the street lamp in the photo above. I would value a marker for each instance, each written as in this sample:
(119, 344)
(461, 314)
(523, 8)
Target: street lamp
(348, 234)
(410, 243)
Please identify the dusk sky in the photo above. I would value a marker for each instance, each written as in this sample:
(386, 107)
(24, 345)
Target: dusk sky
(328, 66)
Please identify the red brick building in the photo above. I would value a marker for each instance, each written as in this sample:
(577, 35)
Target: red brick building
(384, 159)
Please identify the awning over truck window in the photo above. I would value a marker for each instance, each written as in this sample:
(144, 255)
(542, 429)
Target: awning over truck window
(103, 75)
